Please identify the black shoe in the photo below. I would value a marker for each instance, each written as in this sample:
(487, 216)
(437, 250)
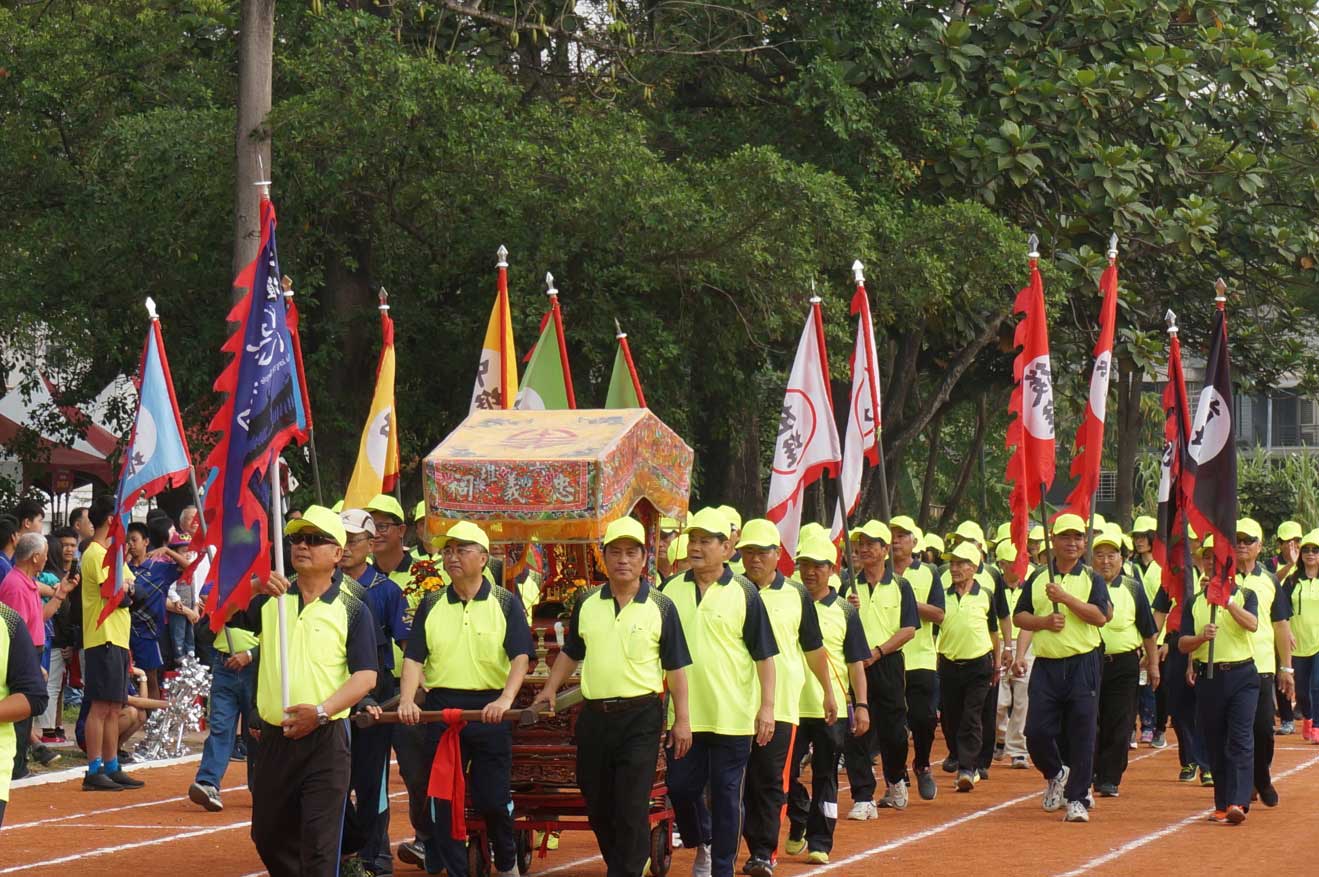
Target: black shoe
(43, 754)
(950, 765)
(99, 782)
(759, 868)
(1106, 790)
(1268, 796)
(983, 773)
(925, 784)
(125, 780)
(205, 796)
(412, 853)
(239, 753)
(1187, 774)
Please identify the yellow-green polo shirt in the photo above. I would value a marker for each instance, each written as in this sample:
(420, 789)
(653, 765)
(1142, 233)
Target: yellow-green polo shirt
(329, 639)
(1132, 619)
(117, 624)
(1234, 642)
(968, 624)
(796, 631)
(727, 631)
(1273, 606)
(244, 640)
(529, 591)
(844, 640)
(1305, 615)
(919, 652)
(469, 645)
(886, 607)
(1077, 637)
(624, 651)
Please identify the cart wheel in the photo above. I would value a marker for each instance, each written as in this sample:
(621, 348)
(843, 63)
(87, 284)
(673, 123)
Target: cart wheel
(525, 851)
(661, 849)
(478, 855)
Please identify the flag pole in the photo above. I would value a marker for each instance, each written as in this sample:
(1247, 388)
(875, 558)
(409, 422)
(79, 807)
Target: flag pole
(1033, 242)
(1094, 493)
(557, 315)
(858, 275)
(1220, 301)
(621, 337)
(277, 545)
(818, 317)
(501, 285)
(383, 307)
(287, 283)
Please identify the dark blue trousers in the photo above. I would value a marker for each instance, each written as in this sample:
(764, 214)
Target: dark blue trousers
(368, 817)
(1064, 705)
(720, 762)
(1181, 709)
(1226, 708)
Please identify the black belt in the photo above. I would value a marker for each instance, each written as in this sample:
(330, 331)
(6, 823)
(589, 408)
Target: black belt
(620, 704)
(1203, 666)
(1113, 657)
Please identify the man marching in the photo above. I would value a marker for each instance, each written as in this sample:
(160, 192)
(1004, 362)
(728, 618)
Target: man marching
(1063, 608)
(919, 654)
(969, 655)
(628, 640)
(470, 646)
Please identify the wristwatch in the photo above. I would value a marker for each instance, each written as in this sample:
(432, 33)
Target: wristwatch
(322, 718)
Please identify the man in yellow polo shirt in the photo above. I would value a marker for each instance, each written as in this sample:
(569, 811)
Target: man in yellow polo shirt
(888, 614)
(470, 646)
(813, 817)
(919, 655)
(969, 654)
(628, 640)
(801, 649)
(1062, 608)
(1153, 703)
(732, 647)
(1273, 649)
(22, 690)
(105, 659)
(302, 761)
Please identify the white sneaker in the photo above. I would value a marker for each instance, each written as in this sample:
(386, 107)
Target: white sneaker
(863, 810)
(1076, 812)
(1053, 793)
(703, 865)
(897, 793)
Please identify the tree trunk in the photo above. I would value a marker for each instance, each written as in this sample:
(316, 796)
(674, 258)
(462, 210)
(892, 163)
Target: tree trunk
(746, 489)
(969, 463)
(255, 61)
(931, 467)
(1128, 435)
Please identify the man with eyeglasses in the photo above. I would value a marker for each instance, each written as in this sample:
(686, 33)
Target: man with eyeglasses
(470, 646)
(303, 751)
(1273, 649)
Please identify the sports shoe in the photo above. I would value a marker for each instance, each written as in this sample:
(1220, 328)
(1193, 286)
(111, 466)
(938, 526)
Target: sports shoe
(793, 846)
(925, 784)
(1159, 742)
(43, 754)
(125, 780)
(1218, 816)
(895, 796)
(1286, 728)
(1235, 815)
(703, 865)
(1187, 774)
(982, 773)
(998, 752)
(950, 765)
(206, 796)
(759, 868)
(817, 857)
(1134, 741)
(412, 852)
(1076, 812)
(966, 780)
(863, 810)
(1147, 736)
(1268, 796)
(99, 782)
(48, 735)
(1053, 792)
(1019, 762)
(1206, 779)
(1106, 790)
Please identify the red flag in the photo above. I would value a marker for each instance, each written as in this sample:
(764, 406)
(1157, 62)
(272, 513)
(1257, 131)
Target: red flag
(1030, 468)
(1090, 435)
(861, 443)
(1213, 448)
(292, 320)
(1170, 547)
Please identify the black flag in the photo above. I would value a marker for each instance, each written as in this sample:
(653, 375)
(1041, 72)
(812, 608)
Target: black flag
(1214, 452)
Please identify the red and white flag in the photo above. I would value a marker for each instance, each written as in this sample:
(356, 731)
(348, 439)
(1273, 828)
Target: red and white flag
(1030, 468)
(1090, 434)
(1171, 551)
(861, 440)
(807, 445)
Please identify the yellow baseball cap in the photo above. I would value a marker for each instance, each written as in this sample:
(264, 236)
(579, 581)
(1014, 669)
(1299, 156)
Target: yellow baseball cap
(1005, 552)
(873, 529)
(318, 517)
(933, 540)
(625, 528)
(810, 531)
(819, 549)
(669, 525)
(903, 523)
(970, 530)
(1251, 528)
(1108, 537)
(1068, 523)
(678, 549)
(1004, 531)
(760, 533)
(1311, 538)
(1098, 522)
(1036, 533)
(1144, 524)
(386, 504)
(1289, 530)
(733, 515)
(709, 520)
(464, 532)
(966, 550)
(419, 513)
(1207, 544)
(337, 507)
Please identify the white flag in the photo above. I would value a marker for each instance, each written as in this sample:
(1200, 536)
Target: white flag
(863, 415)
(807, 445)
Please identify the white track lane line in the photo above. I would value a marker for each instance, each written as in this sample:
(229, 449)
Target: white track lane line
(76, 773)
(105, 851)
(60, 820)
(1145, 840)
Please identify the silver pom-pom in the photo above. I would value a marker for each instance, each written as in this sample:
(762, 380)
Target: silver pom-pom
(165, 729)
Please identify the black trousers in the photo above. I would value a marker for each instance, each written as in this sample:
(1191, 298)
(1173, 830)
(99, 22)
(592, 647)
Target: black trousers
(964, 687)
(409, 743)
(366, 826)
(814, 816)
(988, 722)
(922, 714)
(886, 692)
(1226, 707)
(1181, 701)
(1304, 665)
(22, 733)
(1064, 701)
(1286, 711)
(1118, 690)
(766, 791)
(298, 803)
(1265, 712)
(616, 757)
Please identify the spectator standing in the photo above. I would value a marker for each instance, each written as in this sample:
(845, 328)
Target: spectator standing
(63, 635)
(155, 574)
(8, 539)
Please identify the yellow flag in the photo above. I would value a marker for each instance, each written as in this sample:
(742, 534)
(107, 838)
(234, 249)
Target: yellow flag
(497, 376)
(377, 454)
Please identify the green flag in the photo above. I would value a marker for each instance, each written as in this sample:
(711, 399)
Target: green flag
(622, 392)
(544, 384)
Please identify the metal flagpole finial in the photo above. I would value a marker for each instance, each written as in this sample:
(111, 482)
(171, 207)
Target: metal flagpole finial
(151, 309)
(619, 330)
(1171, 319)
(1220, 291)
(384, 299)
(549, 285)
(1112, 246)
(502, 253)
(815, 299)
(1033, 243)
(261, 172)
(858, 272)
(286, 283)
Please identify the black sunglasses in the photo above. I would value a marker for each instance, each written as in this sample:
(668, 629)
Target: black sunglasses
(312, 539)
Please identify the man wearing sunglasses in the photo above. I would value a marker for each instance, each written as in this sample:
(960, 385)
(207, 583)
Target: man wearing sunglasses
(1273, 649)
(303, 752)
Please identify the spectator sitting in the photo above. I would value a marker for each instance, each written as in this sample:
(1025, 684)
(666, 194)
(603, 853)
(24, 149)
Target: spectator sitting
(132, 717)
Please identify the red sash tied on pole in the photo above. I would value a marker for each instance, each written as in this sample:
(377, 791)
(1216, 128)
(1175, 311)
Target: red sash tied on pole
(447, 782)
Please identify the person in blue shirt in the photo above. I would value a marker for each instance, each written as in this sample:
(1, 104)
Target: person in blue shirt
(154, 576)
(9, 531)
